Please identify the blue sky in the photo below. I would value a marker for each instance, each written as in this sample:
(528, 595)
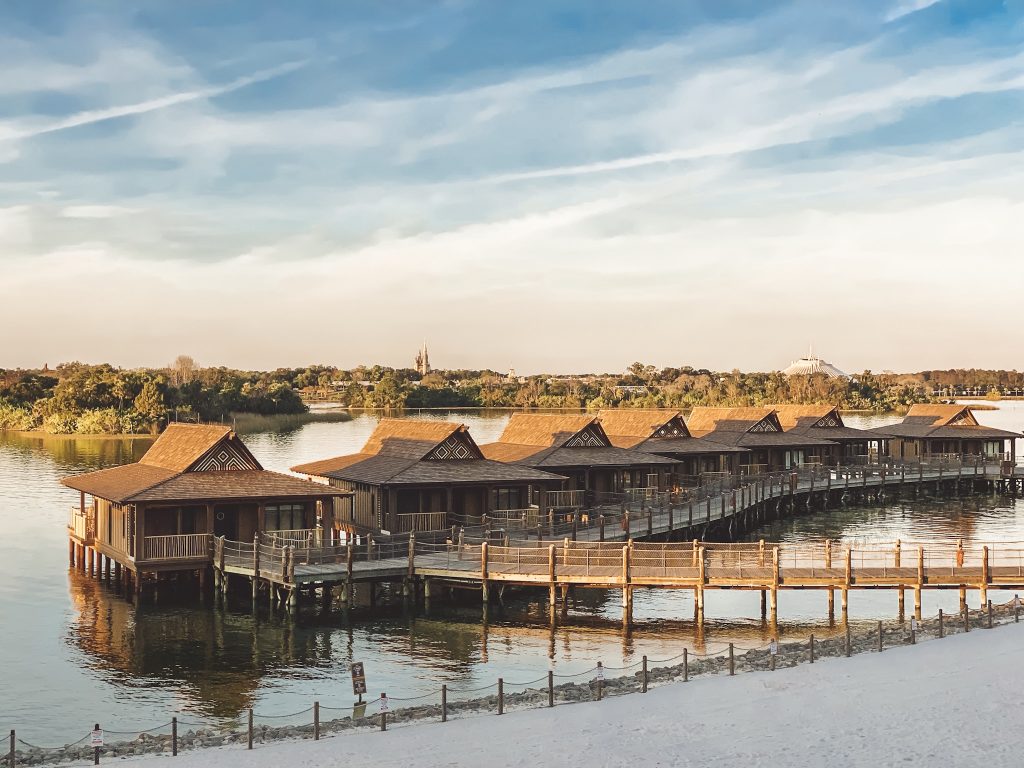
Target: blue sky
(544, 185)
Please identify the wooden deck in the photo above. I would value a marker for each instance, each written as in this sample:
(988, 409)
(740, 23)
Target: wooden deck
(603, 549)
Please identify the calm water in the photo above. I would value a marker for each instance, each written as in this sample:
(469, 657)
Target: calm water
(73, 652)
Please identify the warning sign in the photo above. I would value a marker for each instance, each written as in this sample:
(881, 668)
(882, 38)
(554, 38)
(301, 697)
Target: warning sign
(358, 679)
(96, 738)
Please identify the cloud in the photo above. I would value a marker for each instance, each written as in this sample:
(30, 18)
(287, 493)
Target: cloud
(88, 117)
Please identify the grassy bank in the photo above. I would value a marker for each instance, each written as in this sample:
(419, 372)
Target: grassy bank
(245, 423)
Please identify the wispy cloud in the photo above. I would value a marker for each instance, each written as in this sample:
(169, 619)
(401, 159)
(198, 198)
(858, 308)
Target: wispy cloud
(10, 132)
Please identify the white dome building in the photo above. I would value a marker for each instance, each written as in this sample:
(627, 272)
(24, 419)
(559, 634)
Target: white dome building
(810, 365)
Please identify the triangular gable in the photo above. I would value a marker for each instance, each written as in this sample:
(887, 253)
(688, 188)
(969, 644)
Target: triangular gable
(769, 423)
(674, 427)
(458, 447)
(591, 436)
(832, 419)
(228, 454)
(963, 419)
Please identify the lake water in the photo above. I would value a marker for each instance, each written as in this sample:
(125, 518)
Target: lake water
(73, 652)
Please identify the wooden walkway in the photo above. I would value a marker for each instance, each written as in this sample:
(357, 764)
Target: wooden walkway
(603, 549)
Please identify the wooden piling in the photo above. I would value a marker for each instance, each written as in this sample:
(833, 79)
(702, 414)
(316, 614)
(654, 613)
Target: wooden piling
(644, 688)
(316, 721)
(551, 688)
(501, 696)
(444, 703)
(174, 737)
(732, 660)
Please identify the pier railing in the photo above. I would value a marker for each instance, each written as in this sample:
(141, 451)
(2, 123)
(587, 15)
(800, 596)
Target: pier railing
(190, 546)
(420, 521)
(81, 523)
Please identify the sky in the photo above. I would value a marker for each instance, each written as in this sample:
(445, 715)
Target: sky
(549, 185)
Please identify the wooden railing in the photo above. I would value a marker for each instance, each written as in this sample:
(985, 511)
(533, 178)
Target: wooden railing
(303, 537)
(562, 499)
(421, 521)
(186, 546)
(79, 523)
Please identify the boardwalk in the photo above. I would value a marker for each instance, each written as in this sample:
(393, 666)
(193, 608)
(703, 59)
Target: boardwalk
(603, 549)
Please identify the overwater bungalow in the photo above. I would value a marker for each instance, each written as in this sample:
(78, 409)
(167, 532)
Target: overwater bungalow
(665, 433)
(195, 482)
(577, 447)
(415, 475)
(758, 429)
(946, 431)
(826, 422)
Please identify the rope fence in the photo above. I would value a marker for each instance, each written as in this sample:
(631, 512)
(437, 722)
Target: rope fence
(551, 690)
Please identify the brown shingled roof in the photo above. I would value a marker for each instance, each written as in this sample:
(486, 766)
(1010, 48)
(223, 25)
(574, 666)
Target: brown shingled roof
(182, 445)
(628, 427)
(791, 415)
(703, 420)
(411, 438)
(939, 415)
(544, 429)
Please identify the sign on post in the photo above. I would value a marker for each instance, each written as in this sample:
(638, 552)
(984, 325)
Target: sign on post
(358, 679)
(773, 647)
(96, 738)
(384, 706)
(913, 624)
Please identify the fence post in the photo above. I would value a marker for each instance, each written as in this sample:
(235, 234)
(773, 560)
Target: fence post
(879, 635)
(174, 737)
(412, 555)
(250, 729)
(600, 522)
(990, 614)
(600, 680)
(551, 688)
(11, 755)
(316, 721)
(848, 639)
(644, 688)
(383, 711)
(967, 619)
(444, 703)
(96, 750)
(732, 661)
(1016, 609)
(812, 649)
(941, 633)
(686, 666)
(501, 696)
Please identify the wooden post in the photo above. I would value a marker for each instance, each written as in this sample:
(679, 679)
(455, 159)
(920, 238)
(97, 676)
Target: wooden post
(96, 750)
(174, 737)
(600, 523)
(775, 581)
(316, 721)
(250, 729)
(701, 577)
(551, 573)
(644, 688)
(686, 666)
(848, 649)
(920, 582)
(501, 696)
(444, 703)
(483, 571)
(650, 521)
(10, 757)
(985, 577)
(812, 649)
(551, 688)
(255, 566)
(941, 632)
(384, 712)
(879, 635)
(732, 661)
(967, 619)
(990, 614)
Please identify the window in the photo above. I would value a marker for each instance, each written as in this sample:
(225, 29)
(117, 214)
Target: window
(285, 517)
(506, 498)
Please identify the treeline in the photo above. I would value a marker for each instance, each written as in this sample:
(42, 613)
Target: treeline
(641, 386)
(101, 399)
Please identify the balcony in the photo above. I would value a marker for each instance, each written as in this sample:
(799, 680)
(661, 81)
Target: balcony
(186, 546)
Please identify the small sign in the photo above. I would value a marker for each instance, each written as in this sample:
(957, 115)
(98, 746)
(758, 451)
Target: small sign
(913, 624)
(384, 706)
(1016, 601)
(773, 647)
(359, 711)
(600, 672)
(96, 738)
(358, 679)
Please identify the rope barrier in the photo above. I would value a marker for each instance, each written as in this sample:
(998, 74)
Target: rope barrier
(926, 629)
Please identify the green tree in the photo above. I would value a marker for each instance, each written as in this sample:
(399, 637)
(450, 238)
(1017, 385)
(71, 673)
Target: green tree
(150, 404)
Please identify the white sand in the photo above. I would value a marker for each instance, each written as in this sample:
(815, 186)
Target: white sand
(949, 702)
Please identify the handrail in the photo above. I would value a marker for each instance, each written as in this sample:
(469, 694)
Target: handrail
(181, 546)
